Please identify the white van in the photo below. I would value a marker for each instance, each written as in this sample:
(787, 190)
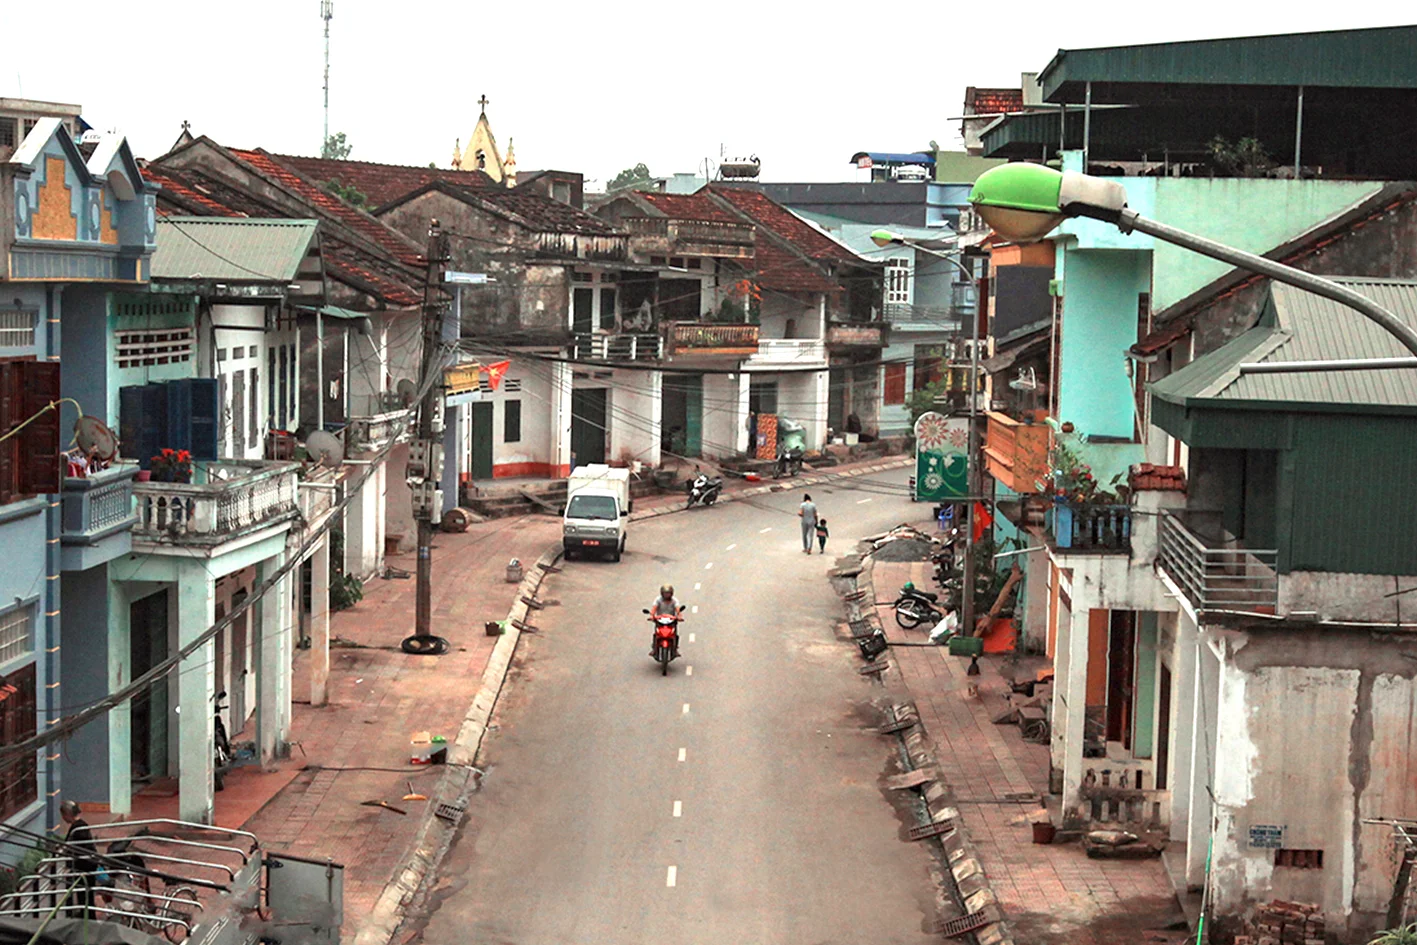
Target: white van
(597, 510)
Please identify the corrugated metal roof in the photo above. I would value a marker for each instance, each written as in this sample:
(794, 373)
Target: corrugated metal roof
(1366, 58)
(1301, 326)
(239, 250)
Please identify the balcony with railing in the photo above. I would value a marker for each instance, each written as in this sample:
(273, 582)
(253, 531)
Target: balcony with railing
(638, 346)
(1016, 451)
(1090, 528)
(700, 339)
(788, 352)
(98, 517)
(1212, 568)
(595, 247)
(847, 335)
(662, 236)
(316, 488)
(230, 499)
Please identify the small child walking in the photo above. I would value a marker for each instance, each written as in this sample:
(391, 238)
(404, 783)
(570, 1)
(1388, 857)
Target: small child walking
(822, 534)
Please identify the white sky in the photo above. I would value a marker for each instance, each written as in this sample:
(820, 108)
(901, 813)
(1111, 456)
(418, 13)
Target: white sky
(590, 87)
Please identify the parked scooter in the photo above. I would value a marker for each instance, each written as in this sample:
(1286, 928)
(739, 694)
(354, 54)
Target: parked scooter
(791, 445)
(223, 756)
(789, 463)
(665, 643)
(914, 607)
(703, 490)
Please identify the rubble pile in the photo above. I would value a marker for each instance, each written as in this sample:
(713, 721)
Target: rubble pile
(1286, 923)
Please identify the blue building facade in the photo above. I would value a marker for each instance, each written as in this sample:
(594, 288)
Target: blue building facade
(78, 224)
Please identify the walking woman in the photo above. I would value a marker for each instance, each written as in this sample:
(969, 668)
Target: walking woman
(808, 513)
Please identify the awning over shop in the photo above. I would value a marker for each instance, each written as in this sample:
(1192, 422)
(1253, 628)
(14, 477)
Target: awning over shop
(1007, 356)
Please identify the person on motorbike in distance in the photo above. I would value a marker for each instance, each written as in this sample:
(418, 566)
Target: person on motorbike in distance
(665, 604)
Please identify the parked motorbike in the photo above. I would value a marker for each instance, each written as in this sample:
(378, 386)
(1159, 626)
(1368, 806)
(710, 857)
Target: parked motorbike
(665, 643)
(223, 754)
(703, 490)
(789, 463)
(914, 607)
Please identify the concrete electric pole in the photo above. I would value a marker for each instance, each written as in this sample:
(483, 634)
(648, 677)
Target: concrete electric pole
(425, 454)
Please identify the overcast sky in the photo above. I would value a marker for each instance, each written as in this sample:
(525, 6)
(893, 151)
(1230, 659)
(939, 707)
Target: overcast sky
(590, 87)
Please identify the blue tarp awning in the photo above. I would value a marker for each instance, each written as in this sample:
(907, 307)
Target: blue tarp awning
(890, 157)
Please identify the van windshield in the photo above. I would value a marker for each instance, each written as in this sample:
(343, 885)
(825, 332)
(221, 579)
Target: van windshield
(593, 506)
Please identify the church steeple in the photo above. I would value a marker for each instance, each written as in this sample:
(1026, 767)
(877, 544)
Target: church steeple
(457, 155)
(509, 166)
(481, 152)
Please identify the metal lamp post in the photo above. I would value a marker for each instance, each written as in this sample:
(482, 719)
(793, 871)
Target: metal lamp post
(1024, 202)
(884, 238)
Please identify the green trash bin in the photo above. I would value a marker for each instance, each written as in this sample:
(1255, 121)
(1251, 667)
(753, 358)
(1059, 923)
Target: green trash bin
(966, 646)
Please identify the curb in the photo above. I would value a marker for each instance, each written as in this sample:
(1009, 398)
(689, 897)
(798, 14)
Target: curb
(782, 486)
(459, 778)
(971, 884)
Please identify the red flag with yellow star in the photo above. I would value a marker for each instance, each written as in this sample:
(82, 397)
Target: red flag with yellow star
(495, 372)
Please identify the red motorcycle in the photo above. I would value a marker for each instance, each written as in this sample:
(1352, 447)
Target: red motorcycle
(665, 645)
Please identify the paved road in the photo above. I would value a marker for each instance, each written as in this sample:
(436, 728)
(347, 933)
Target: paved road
(739, 800)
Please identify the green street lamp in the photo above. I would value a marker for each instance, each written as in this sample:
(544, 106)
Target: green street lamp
(1023, 203)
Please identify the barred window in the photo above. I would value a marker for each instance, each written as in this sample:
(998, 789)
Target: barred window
(19, 782)
(148, 347)
(16, 633)
(16, 329)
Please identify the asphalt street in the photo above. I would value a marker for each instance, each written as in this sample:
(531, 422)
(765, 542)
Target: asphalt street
(738, 800)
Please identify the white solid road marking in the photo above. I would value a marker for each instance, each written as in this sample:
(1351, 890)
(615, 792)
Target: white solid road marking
(731, 547)
(678, 808)
(764, 531)
(862, 501)
(691, 638)
(709, 565)
(686, 708)
(689, 671)
(672, 877)
(683, 753)
(694, 609)
(698, 585)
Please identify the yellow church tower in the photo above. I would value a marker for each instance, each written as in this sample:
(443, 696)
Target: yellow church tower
(481, 153)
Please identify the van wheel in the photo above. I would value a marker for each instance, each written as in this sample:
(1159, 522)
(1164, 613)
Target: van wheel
(619, 550)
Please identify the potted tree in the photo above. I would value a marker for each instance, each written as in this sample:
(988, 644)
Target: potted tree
(172, 466)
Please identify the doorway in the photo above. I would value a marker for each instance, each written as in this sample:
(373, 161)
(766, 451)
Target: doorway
(588, 426)
(1163, 729)
(240, 666)
(480, 442)
(1121, 676)
(147, 645)
(682, 430)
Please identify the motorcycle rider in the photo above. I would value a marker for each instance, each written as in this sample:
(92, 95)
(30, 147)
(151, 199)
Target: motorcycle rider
(665, 603)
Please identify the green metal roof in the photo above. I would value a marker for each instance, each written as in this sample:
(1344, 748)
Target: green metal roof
(1301, 326)
(231, 249)
(1366, 58)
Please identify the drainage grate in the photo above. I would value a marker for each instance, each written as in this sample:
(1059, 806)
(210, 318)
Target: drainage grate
(452, 813)
(862, 628)
(954, 928)
(910, 779)
(930, 830)
(899, 725)
(872, 668)
(855, 595)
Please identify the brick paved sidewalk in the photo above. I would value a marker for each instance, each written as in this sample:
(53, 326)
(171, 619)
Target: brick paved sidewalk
(1051, 893)
(357, 748)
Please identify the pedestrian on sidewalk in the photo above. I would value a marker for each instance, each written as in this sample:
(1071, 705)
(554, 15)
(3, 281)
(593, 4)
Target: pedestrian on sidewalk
(808, 513)
(822, 534)
(79, 845)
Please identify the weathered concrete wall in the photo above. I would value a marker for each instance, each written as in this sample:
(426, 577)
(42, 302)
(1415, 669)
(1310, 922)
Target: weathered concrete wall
(1316, 729)
(1349, 597)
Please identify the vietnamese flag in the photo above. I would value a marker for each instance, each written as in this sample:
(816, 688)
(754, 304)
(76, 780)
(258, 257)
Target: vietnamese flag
(982, 520)
(495, 372)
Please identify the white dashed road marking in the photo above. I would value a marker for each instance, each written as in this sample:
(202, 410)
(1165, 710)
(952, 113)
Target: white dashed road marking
(686, 708)
(709, 565)
(698, 586)
(673, 876)
(689, 671)
(683, 753)
(764, 531)
(862, 501)
(731, 547)
(678, 808)
(695, 609)
(691, 638)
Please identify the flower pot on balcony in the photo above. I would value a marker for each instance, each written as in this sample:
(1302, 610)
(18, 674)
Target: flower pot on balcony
(144, 475)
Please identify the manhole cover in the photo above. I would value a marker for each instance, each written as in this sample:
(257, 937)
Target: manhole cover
(954, 928)
(930, 830)
(452, 813)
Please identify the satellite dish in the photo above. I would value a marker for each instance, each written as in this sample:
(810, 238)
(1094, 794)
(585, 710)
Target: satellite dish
(95, 439)
(406, 389)
(324, 448)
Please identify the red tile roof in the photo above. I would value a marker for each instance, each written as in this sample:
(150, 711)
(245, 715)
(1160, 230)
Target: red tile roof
(313, 194)
(696, 206)
(770, 214)
(534, 210)
(1147, 477)
(180, 192)
(382, 183)
(992, 101)
(778, 268)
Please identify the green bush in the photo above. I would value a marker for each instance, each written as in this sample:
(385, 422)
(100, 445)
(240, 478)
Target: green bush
(1404, 935)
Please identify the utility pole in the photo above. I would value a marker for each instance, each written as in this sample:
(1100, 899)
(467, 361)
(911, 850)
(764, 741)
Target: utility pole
(972, 470)
(425, 455)
(327, 13)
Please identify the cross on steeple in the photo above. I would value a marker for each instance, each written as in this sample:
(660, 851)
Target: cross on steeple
(483, 102)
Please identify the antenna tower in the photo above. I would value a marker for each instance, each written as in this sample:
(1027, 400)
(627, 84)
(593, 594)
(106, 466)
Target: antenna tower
(327, 13)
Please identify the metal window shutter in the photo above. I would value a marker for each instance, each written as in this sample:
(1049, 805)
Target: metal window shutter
(39, 467)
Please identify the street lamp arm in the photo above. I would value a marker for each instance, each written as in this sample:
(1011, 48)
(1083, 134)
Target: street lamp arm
(1130, 220)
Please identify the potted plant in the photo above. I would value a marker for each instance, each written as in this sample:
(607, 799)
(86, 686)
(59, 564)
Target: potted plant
(172, 466)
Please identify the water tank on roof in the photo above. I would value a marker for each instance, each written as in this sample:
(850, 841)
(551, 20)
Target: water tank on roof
(740, 168)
